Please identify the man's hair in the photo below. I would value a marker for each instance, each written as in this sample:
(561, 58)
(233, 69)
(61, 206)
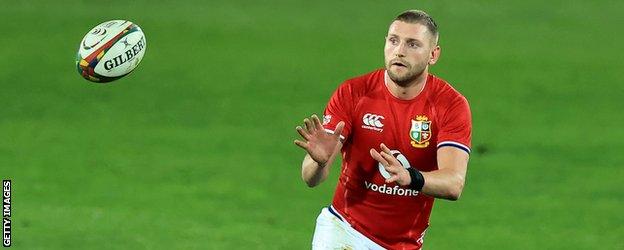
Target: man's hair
(420, 17)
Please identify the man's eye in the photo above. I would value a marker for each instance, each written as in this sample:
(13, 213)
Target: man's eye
(393, 40)
(413, 45)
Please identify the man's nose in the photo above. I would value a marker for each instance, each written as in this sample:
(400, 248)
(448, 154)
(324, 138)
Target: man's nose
(399, 51)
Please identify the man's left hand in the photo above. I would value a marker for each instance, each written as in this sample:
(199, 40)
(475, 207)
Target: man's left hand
(397, 172)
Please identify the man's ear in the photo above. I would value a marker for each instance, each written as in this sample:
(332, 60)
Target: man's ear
(435, 54)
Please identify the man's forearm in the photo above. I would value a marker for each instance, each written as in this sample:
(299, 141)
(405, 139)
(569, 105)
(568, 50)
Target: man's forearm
(312, 173)
(448, 181)
(443, 183)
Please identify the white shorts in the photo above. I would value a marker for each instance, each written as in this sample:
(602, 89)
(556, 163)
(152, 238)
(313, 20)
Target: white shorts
(333, 232)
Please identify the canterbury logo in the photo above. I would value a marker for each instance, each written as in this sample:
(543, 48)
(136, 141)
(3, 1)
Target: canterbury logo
(373, 120)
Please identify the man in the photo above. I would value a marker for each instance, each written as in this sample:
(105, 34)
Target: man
(404, 136)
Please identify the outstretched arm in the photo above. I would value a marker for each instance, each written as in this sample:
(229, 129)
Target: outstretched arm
(313, 173)
(447, 182)
(321, 147)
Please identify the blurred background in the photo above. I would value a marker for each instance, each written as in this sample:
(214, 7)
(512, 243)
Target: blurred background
(194, 149)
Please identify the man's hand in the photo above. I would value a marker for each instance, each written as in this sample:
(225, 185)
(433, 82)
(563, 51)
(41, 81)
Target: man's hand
(397, 172)
(319, 144)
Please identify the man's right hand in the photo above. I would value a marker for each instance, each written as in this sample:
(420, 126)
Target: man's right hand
(319, 144)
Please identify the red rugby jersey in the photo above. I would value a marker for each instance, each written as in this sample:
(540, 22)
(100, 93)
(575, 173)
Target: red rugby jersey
(393, 216)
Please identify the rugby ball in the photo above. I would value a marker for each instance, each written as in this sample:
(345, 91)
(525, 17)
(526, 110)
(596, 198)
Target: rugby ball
(110, 51)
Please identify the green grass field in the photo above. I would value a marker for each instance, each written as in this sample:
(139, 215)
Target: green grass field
(194, 149)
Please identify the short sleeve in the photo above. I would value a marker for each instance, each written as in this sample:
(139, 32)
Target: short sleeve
(338, 109)
(455, 128)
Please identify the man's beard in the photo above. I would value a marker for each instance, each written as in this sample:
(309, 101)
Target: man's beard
(407, 78)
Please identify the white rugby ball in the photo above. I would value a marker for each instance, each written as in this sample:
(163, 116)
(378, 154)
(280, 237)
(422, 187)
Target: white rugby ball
(110, 51)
